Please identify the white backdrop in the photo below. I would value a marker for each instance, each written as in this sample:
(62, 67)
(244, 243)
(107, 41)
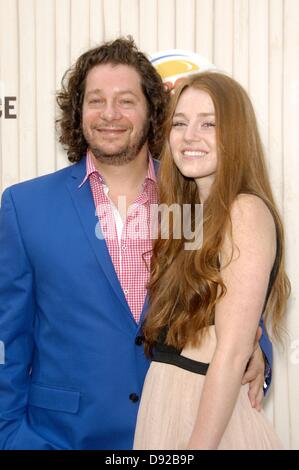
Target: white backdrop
(257, 41)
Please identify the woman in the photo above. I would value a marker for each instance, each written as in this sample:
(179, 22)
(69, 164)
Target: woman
(205, 304)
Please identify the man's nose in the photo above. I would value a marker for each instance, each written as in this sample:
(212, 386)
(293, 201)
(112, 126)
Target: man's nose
(110, 111)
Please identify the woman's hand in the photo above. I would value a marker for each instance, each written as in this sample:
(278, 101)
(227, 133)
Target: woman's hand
(255, 374)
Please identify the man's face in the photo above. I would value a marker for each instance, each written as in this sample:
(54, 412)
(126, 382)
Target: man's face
(115, 114)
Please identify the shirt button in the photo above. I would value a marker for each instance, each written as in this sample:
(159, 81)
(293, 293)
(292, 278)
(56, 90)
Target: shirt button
(139, 340)
(134, 398)
(126, 291)
(124, 247)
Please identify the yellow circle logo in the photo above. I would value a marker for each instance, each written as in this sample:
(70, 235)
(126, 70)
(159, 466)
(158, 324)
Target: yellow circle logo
(173, 65)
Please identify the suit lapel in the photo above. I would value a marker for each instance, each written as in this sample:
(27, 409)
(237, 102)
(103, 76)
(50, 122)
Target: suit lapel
(83, 202)
(156, 165)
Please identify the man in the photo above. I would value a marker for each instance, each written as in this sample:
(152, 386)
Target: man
(71, 294)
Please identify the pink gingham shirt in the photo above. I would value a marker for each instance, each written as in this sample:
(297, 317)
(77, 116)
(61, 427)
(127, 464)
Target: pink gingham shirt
(131, 251)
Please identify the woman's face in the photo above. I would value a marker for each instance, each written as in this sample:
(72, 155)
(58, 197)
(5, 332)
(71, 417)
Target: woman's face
(193, 137)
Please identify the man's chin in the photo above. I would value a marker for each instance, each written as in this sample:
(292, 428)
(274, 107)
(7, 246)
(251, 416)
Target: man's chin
(109, 151)
(117, 159)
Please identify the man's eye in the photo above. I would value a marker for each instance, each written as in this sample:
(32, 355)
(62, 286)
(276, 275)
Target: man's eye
(94, 101)
(127, 102)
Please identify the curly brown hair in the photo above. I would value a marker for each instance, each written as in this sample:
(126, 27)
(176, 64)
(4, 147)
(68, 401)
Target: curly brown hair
(70, 97)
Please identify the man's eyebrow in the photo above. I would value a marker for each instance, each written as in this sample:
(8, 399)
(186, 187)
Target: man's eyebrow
(97, 91)
(126, 92)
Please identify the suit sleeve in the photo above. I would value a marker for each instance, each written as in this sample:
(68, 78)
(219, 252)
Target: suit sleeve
(16, 322)
(266, 347)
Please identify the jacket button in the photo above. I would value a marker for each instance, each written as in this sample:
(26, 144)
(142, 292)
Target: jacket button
(133, 397)
(139, 340)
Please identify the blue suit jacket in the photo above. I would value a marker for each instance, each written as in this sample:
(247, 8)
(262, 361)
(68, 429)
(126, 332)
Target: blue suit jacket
(71, 360)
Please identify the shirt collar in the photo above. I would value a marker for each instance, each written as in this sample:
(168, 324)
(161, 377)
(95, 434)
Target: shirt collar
(90, 169)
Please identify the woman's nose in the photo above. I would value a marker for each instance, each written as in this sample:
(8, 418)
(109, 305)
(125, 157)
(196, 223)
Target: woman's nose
(192, 133)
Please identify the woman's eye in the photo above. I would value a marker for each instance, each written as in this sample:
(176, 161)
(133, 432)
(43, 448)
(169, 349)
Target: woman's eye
(208, 124)
(178, 124)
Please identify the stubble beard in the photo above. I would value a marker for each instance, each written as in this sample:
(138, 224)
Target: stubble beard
(126, 155)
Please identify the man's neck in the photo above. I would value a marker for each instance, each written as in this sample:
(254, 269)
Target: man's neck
(125, 177)
(125, 180)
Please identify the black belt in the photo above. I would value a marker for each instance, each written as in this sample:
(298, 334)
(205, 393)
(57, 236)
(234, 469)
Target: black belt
(180, 361)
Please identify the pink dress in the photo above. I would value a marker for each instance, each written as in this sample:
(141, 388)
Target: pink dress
(170, 399)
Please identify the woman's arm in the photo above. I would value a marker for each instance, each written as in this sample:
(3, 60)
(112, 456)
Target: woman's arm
(237, 316)
(259, 369)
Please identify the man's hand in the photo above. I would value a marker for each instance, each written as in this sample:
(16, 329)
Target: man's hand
(255, 374)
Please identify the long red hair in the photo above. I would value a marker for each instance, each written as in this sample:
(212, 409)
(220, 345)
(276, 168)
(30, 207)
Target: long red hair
(186, 285)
